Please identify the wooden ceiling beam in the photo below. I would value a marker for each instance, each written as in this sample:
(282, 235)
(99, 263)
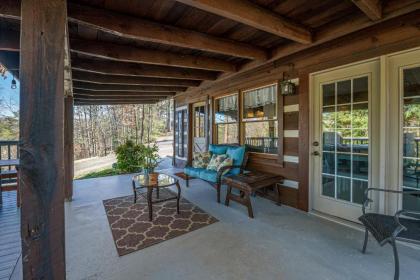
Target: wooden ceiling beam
(125, 53)
(134, 69)
(130, 80)
(99, 97)
(112, 102)
(121, 93)
(140, 29)
(248, 13)
(127, 88)
(372, 8)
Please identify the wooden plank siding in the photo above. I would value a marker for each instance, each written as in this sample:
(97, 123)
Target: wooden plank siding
(394, 35)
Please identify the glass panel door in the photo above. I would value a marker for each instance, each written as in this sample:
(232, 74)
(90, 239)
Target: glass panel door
(199, 135)
(345, 139)
(411, 136)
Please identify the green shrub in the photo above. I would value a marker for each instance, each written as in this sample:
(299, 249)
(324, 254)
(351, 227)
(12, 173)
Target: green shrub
(130, 157)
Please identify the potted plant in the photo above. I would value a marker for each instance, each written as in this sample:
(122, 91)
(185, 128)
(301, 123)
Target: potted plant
(151, 160)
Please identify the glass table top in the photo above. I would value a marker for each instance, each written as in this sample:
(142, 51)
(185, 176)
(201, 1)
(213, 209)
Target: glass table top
(154, 180)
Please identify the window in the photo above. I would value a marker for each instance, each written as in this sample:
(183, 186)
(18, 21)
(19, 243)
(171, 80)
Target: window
(345, 130)
(260, 119)
(226, 119)
(199, 119)
(181, 133)
(411, 137)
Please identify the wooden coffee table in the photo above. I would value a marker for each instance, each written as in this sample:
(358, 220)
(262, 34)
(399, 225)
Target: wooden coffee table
(249, 183)
(144, 181)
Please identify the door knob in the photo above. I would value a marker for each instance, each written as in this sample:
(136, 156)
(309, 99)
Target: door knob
(316, 153)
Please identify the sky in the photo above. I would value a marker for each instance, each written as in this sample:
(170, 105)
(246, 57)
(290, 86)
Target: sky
(8, 95)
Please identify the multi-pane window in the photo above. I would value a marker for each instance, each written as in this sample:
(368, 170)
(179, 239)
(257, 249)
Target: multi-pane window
(345, 130)
(181, 133)
(226, 119)
(411, 136)
(199, 120)
(260, 119)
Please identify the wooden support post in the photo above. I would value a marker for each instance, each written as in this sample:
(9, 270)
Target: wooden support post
(68, 148)
(41, 138)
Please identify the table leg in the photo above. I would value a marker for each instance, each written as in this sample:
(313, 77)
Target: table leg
(149, 203)
(134, 190)
(157, 192)
(278, 194)
(178, 197)
(229, 191)
(248, 204)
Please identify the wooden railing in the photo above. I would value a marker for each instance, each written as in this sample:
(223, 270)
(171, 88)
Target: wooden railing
(262, 144)
(9, 150)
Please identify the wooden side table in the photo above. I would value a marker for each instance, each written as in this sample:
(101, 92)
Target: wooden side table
(247, 184)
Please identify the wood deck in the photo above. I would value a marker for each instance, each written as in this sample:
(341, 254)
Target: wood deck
(10, 242)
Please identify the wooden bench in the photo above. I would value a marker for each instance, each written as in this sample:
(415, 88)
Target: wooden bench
(247, 184)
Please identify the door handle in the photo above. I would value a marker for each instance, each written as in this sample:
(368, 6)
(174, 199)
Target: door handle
(316, 153)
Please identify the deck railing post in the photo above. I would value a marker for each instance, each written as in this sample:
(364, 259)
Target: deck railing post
(41, 138)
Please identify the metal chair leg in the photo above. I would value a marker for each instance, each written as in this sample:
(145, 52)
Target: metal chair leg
(396, 260)
(187, 181)
(366, 241)
(218, 193)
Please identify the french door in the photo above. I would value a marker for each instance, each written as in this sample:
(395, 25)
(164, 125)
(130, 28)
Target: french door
(199, 133)
(181, 133)
(404, 94)
(345, 130)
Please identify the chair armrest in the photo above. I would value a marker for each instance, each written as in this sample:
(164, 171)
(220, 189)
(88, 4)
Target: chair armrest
(367, 200)
(223, 169)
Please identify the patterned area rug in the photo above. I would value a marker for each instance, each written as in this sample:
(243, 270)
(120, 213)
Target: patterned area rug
(133, 231)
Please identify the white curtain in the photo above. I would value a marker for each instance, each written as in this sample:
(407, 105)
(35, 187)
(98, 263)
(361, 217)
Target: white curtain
(228, 103)
(260, 97)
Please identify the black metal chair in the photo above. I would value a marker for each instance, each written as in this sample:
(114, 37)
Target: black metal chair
(386, 229)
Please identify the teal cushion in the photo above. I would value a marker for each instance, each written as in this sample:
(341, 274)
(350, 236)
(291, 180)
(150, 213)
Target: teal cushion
(193, 172)
(209, 175)
(237, 154)
(218, 149)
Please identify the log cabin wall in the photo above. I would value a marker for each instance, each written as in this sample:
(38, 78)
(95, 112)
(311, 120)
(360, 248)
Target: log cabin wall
(395, 35)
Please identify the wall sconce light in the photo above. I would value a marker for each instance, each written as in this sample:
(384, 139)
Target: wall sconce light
(14, 85)
(286, 85)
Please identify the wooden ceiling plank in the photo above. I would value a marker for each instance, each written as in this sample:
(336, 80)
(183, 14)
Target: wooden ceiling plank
(10, 9)
(140, 29)
(126, 88)
(132, 69)
(246, 12)
(372, 8)
(127, 53)
(130, 80)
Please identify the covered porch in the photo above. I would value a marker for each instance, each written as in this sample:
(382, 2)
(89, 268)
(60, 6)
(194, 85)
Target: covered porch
(324, 95)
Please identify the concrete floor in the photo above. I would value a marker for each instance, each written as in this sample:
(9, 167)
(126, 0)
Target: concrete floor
(280, 243)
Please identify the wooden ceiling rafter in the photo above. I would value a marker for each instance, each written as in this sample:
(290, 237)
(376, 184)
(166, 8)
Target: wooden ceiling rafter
(372, 8)
(94, 78)
(128, 88)
(123, 93)
(255, 16)
(134, 69)
(144, 30)
(125, 53)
